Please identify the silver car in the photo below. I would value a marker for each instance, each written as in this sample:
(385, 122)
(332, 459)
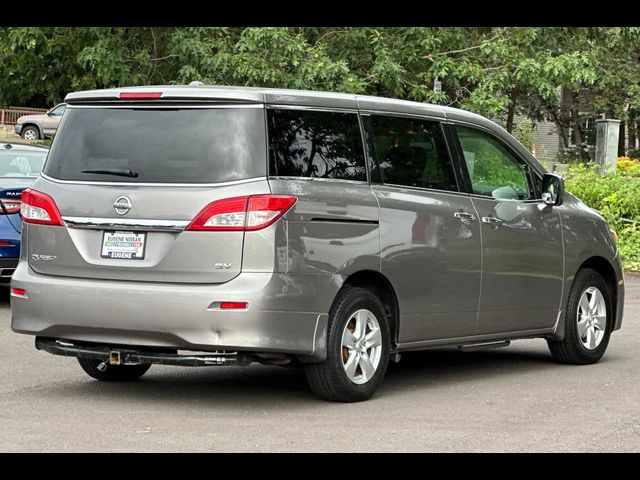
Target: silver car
(195, 225)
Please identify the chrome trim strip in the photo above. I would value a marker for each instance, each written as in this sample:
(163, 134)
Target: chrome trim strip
(314, 108)
(126, 224)
(423, 190)
(142, 184)
(429, 116)
(319, 179)
(162, 104)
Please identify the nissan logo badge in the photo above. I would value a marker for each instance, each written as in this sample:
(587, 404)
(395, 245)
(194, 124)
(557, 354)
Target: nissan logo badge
(122, 205)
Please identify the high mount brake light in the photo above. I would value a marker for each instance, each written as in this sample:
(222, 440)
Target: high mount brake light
(247, 213)
(38, 207)
(140, 95)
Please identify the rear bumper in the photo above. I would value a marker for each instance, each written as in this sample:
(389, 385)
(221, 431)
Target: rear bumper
(285, 314)
(18, 128)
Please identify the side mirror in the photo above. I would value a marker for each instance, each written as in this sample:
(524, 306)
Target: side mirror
(50, 113)
(552, 189)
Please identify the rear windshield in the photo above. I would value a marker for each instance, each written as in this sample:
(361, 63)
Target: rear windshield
(21, 163)
(169, 145)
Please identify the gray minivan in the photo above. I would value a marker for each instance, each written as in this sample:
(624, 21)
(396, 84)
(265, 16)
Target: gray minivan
(196, 225)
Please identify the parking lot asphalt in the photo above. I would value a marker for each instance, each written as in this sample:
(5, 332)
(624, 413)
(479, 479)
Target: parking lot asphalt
(510, 399)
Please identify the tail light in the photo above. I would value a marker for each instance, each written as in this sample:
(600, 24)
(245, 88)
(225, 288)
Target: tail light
(253, 212)
(11, 206)
(38, 207)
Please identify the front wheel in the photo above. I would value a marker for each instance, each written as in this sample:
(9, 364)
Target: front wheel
(588, 321)
(112, 373)
(30, 133)
(358, 343)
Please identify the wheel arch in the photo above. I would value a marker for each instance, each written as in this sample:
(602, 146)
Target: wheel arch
(604, 268)
(36, 126)
(380, 285)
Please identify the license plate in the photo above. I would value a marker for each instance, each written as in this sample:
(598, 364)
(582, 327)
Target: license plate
(123, 245)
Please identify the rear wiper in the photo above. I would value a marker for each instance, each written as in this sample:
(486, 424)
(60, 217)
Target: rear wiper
(114, 171)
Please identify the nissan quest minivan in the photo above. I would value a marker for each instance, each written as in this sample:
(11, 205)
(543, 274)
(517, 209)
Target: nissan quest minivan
(196, 226)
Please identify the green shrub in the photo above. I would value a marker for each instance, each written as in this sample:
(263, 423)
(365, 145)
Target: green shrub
(525, 132)
(616, 197)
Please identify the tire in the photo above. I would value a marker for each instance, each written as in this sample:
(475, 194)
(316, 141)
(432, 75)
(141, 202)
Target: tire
(113, 373)
(31, 132)
(572, 349)
(329, 380)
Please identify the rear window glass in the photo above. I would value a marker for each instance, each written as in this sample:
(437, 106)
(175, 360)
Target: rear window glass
(305, 143)
(169, 145)
(21, 163)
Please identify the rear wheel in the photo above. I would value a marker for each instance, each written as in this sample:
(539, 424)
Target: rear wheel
(30, 133)
(112, 373)
(588, 321)
(358, 343)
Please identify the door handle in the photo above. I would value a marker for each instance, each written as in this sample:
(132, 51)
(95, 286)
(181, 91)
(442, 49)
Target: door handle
(492, 221)
(464, 216)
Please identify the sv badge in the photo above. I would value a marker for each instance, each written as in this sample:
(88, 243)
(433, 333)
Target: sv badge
(42, 258)
(222, 266)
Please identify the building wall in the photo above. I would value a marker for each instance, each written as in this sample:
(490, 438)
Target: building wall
(546, 139)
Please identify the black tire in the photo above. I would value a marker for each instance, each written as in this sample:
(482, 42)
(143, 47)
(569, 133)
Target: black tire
(328, 380)
(571, 350)
(113, 373)
(23, 134)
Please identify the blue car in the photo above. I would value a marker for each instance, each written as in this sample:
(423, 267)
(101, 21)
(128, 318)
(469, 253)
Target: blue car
(19, 167)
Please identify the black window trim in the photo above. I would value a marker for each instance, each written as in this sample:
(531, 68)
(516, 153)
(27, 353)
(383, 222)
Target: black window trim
(529, 168)
(277, 106)
(371, 161)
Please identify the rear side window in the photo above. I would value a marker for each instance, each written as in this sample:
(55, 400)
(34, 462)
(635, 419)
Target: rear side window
(305, 143)
(412, 152)
(163, 145)
(21, 163)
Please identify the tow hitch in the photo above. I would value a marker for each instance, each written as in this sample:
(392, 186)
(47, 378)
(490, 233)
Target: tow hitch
(126, 356)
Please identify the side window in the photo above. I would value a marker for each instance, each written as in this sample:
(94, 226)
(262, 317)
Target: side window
(494, 170)
(412, 152)
(58, 111)
(305, 143)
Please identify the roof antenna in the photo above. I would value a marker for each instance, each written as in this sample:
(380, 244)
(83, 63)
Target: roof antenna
(196, 83)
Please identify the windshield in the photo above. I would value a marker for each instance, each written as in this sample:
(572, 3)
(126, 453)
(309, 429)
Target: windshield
(20, 163)
(159, 145)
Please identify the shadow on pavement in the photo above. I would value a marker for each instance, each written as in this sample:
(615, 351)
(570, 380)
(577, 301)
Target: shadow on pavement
(268, 387)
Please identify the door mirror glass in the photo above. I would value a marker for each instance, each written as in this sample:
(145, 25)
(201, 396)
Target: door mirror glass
(552, 189)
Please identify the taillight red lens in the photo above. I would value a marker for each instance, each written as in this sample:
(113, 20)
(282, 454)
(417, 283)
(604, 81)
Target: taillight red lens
(233, 305)
(18, 292)
(252, 212)
(263, 210)
(38, 207)
(12, 206)
(227, 214)
(140, 95)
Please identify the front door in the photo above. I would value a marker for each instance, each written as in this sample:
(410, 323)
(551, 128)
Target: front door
(429, 233)
(52, 119)
(522, 264)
